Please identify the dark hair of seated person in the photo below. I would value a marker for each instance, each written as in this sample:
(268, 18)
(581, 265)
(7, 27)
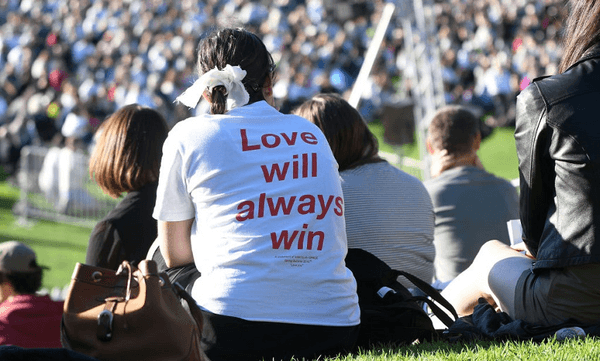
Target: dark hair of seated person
(236, 47)
(454, 128)
(349, 137)
(24, 283)
(126, 156)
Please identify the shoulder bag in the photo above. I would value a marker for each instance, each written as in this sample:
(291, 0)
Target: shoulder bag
(130, 314)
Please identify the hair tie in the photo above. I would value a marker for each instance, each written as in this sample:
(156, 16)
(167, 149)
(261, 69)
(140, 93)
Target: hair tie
(230, 77)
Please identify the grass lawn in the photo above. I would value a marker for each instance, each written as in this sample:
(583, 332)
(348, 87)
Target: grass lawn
(570, 350)
(60, 246)
(498, 152)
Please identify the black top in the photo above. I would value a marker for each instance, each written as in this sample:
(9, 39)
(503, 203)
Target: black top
(557, 137)
(126, 233)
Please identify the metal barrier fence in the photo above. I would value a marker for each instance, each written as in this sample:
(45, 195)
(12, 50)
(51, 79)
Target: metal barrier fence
(409, 165)
(415, 167)
(56, 293)
(55, 185)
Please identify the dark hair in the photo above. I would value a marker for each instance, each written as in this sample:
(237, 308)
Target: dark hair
(454, 129)
(128, 150)
(235, 47)
(582, 31)
(351, 141)
(24, 283)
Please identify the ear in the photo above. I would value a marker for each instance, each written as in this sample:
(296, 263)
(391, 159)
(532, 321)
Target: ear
(429, 146)
(6, 291)
(206, 96)
(267, 92)
(477, 142)
(267, 88)
(268, 81)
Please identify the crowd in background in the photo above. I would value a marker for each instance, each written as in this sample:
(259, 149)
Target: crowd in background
(92, 57)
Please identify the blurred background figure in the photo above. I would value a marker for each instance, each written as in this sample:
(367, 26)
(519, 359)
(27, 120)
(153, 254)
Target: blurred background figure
(471, 205)
(126, 159)
(65, 168)
(143, 52)
(388, 212)
(49, 174)
(26, 319)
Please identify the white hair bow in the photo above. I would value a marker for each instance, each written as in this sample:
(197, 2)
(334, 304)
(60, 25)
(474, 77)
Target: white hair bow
(230, 77)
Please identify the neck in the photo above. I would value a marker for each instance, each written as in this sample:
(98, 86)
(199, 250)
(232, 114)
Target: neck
(7, 292)
(443, 161)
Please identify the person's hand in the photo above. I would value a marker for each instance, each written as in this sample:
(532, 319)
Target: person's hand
(522, 248)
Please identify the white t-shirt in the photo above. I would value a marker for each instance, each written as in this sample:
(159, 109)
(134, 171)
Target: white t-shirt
(269, 233)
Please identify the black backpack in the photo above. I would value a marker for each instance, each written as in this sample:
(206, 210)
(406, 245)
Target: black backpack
(390, 314)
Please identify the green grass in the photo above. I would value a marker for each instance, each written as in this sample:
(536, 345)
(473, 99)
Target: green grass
(408, 150)
(58, 246)
(498, 152)
(574, 349)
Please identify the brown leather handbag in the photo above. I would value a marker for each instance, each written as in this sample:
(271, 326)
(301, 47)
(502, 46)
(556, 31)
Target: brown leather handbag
(130, 314)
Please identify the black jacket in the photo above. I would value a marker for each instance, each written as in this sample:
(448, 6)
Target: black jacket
(126, 233)
(558, 144)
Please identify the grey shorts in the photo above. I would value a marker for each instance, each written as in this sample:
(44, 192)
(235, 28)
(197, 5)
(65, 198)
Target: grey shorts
(551, 296)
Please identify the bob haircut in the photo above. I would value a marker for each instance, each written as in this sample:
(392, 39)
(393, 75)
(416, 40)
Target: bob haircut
(351, 141)
(128, 150)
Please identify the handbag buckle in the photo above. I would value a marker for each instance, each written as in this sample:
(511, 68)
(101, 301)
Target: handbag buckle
(105, 326)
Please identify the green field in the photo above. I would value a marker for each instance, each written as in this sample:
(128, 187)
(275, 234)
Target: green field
(497, 153)
(58, 246)
(61, 246)
(551, 350)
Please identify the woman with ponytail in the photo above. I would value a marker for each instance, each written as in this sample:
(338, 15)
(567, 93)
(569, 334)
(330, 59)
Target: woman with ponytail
(253, 199)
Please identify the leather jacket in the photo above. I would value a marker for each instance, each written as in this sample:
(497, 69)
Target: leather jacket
(558, 144)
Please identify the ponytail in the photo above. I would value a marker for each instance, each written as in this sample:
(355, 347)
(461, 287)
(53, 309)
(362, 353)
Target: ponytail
(218, 100)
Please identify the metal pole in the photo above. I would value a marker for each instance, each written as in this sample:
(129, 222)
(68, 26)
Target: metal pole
(365, 69)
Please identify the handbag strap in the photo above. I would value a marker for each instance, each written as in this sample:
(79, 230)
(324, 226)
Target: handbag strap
(434, 295)
(437, 311)
(195, 311)
(104, 330)
(126, 267)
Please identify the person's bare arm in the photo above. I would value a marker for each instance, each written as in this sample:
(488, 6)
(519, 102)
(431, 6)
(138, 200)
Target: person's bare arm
(175, 242)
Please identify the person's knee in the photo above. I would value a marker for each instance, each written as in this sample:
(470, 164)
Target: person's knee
(489, 250)
(493, 245)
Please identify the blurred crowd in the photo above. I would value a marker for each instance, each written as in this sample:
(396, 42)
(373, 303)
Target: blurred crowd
(91, 57)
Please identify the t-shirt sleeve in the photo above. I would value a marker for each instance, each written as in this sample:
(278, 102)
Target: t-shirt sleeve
(173, 201)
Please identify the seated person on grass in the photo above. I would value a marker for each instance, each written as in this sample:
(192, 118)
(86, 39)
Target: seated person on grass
(388, 212)
(557, 141)
(471, 205)
(26, 319)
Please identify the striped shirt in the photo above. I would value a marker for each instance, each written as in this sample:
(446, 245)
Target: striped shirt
(390, 214)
